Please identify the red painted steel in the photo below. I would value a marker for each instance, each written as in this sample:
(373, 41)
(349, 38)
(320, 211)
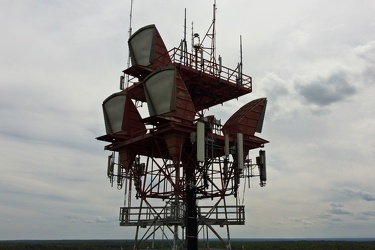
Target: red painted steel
(246, 119)
(199, 84)
(165, 143)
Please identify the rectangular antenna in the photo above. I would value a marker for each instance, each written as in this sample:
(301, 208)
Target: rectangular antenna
(122, 80)
(226, 145)
(200, 142)
(240, 150)
(119, 170)
(262, 166)
(110, 165)
(220, 64)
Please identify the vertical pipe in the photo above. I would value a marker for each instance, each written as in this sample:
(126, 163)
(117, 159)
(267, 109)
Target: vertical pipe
(227, 226)
(191, 209)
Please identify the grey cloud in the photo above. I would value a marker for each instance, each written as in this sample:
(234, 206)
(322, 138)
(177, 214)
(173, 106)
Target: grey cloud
(101, 219)
(336, 219)
(326, 91)
(98, 219)
(369, 213)
(302, 220)
(367, 51)
(329, 217)
(359, 193)
(338, 209)
(369, 75)
(367, 197)
(275, 87)
(365, 216)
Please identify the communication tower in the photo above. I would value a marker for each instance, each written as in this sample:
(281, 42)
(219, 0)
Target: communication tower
(176, 157)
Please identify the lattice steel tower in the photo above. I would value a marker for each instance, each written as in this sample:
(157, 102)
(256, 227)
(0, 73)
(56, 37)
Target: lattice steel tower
(175, 156)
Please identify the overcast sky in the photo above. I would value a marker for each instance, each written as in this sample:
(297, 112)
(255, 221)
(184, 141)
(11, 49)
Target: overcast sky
(313, 60)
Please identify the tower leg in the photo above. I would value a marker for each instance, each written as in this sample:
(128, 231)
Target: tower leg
(191, 210)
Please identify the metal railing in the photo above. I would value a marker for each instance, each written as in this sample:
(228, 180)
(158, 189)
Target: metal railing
(197, 62)
(167, 215)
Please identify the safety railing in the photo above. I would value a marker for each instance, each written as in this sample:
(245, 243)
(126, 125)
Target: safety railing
(168, 215)
(222, 215)
(197, 62)
(147, 216)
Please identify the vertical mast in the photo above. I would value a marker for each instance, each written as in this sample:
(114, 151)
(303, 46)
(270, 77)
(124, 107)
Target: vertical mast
(240, 66)
(130, 34)
(213, 36)
(184, 44)
(185, 27)
(241, 51)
